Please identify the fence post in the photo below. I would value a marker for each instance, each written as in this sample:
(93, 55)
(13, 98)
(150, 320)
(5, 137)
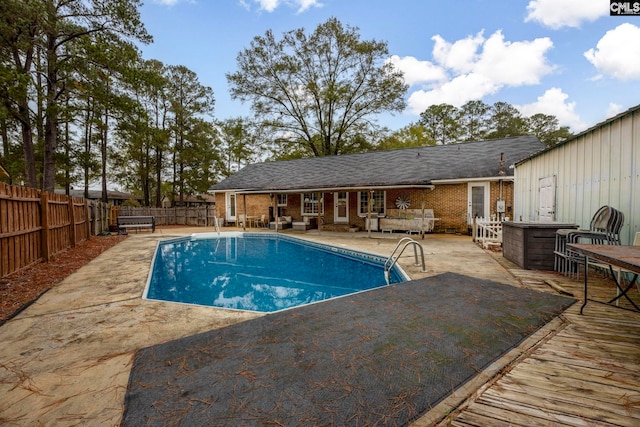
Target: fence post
(44, 220)
(474, 232)
(88, 216)
(72, 219)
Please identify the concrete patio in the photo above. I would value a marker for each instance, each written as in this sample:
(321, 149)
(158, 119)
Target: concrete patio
(65, 360)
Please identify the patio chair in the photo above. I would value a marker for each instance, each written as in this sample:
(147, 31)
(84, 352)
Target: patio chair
(562, 263)
(261, 222)
(607, 232)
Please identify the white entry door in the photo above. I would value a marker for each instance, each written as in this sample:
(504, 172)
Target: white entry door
(341, 207)
(478, 200)
(231, 207)
(547, 202)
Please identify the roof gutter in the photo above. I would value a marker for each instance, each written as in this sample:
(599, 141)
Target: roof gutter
(326, 189)
(461, 181)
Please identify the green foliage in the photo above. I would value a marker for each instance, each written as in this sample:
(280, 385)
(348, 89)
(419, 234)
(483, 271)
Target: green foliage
(318, 91)
(546, 128)
(507, 121)
(441, 122)
(414, 135)
(42, 60)
(131, 202)
(193, 145)
(78, 103)
(476, 120)
(241, 142)
(197, 158)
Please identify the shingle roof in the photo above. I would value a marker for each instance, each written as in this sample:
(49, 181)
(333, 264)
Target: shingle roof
(97, 194)
(404, 167)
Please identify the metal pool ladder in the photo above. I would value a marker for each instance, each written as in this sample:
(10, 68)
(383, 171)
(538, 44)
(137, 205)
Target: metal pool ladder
(391, 261)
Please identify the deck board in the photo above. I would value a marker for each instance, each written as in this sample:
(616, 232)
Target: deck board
(586, 374)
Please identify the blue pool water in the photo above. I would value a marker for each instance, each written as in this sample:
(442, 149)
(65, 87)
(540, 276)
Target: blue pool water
(259, 272)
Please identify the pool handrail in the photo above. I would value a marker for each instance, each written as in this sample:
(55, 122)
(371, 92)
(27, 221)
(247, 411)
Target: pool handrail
(407, 241)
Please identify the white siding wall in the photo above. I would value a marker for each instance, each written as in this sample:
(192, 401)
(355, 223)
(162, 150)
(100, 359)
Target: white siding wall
(599, 167)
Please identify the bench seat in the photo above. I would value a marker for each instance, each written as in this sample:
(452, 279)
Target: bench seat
(136, 222)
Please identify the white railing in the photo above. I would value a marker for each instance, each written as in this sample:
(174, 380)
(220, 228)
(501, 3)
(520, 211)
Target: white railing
(488, 231)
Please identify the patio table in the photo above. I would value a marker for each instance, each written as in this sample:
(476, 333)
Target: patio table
(251, 220)
(625, 257)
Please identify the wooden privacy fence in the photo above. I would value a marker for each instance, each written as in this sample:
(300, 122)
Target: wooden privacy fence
(99, 216)
(35, 225)
(200, 216)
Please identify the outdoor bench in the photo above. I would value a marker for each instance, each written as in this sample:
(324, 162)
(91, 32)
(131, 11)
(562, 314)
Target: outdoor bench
(136, 222)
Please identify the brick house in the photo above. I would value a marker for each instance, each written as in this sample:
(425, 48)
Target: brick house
(457, 182)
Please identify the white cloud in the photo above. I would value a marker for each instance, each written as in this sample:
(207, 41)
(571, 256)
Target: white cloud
(418, 72)
(459, 56)
(306, 4)
(268, 5)
(554, 102)
(514, 63)
(617, 53)
(271, 5)
(556, 14)
(614, 109)
(167, 2)
(456, 92)
(474, 67)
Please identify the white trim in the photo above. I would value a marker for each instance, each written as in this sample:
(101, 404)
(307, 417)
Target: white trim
(384, 201)
(487, 198)
(319, 203)
(227, 204)
(338, 219)
(468, 180)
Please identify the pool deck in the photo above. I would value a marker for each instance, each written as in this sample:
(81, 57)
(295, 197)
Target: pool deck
(65, 360)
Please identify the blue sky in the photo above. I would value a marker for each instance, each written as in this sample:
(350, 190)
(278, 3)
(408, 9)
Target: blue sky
(568, 58)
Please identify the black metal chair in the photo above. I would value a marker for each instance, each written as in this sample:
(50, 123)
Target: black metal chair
(598, 223)
(607, 232)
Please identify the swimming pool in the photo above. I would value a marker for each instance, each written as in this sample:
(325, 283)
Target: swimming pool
(262, 272)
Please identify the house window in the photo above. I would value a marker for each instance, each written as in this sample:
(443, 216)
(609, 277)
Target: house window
(377, 206)
(282, 200)
(310, 204)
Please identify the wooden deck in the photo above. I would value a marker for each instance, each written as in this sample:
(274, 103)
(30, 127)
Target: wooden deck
(585, 373)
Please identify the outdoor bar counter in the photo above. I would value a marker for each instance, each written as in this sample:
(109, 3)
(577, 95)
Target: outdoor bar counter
(531, 245)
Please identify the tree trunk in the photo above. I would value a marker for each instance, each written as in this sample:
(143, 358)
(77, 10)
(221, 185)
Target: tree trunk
(158, 177)
(27, 146)
(4, 131)
(146, 190)
(103, 152)
(29, 156)
(88, 135)
(67, 149)
(51, 117)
